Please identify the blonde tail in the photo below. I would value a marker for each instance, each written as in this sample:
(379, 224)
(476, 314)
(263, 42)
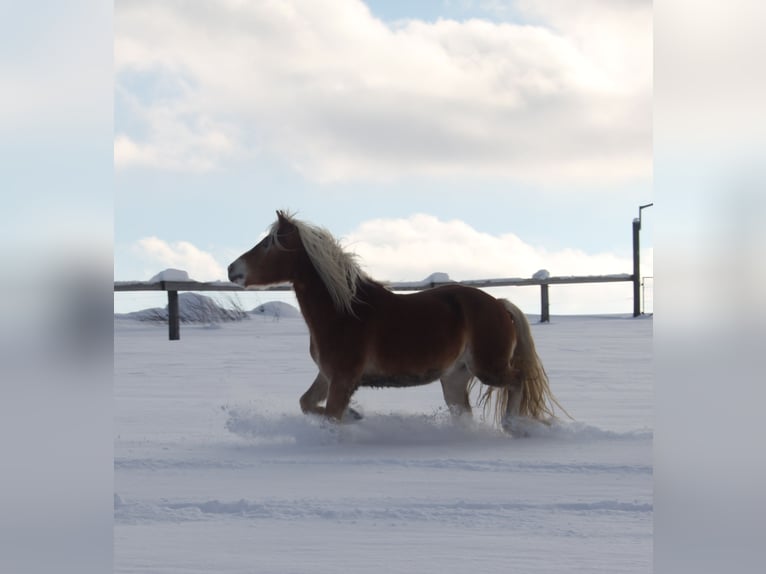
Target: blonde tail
(537, 400)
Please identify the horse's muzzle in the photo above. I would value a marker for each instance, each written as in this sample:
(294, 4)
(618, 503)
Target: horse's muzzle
(237, 272)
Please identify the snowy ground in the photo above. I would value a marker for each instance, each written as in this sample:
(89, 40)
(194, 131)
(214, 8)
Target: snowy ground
(216, 469)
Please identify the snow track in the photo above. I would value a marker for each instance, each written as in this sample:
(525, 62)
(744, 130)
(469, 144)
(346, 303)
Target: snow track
(462, 513)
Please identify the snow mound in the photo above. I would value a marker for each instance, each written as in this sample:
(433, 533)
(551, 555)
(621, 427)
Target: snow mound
(389, 429)
(437, 277)
(276, 309)
(433, 278)
(170, 275)
(572, 430)
(397, 429)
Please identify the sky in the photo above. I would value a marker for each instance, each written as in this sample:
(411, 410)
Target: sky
(476, 138)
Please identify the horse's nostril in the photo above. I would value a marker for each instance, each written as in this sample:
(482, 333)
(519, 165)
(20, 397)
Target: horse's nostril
(237, 272)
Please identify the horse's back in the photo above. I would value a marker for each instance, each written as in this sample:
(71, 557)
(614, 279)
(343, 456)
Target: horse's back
(413, 320)
(477, 308)
(443, 306)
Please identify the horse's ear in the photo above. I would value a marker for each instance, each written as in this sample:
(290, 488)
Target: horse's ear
(283, 216)
(283, 219)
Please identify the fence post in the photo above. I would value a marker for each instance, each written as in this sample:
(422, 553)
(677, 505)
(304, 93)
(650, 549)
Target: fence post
(545, 316)
(636, 269)
(174, 329)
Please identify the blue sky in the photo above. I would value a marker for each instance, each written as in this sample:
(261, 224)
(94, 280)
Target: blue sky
(515, 135)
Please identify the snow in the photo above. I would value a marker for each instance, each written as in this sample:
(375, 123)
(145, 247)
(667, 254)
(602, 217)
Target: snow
(541, 274)
(170, 275)
(276, 310)
(433, 278)
(437, 277)
(217, 470)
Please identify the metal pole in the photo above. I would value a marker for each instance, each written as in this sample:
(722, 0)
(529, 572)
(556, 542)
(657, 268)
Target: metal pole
(641, 207)
(637, 261)
(636, 269)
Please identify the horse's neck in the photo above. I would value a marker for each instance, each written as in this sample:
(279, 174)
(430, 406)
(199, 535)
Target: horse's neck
(315, 302)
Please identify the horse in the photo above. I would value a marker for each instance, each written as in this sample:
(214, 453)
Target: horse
(364, 335)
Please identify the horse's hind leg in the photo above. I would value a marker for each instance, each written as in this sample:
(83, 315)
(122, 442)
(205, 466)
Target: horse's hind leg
(513, 390)
(509, 383)
(455, 390)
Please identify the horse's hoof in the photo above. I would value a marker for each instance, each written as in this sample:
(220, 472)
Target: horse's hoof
(513, 427)
(353, 415)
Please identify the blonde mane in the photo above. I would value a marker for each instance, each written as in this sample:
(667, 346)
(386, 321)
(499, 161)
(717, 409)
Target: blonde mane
(336, 267)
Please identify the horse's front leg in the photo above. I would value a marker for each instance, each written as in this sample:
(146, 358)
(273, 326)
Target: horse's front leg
(315, 394)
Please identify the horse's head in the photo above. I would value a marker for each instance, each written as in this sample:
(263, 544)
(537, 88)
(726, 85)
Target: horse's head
(272, 260)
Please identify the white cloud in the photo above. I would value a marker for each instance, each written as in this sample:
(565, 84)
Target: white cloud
(159, 254)
(343, 96)
(413, 248)
(179, 141)
(614, 36)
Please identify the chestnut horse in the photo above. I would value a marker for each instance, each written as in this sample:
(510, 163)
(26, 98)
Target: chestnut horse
(362, 334)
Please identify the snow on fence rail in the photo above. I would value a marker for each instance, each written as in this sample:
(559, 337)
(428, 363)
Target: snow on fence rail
(173, 287)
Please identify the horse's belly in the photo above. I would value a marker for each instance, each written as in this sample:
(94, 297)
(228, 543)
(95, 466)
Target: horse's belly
(412, 371)
(400, 380)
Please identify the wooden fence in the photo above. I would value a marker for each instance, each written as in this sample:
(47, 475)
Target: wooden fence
(173, 287)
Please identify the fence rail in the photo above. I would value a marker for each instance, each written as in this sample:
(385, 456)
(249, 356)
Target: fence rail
(173, 287)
